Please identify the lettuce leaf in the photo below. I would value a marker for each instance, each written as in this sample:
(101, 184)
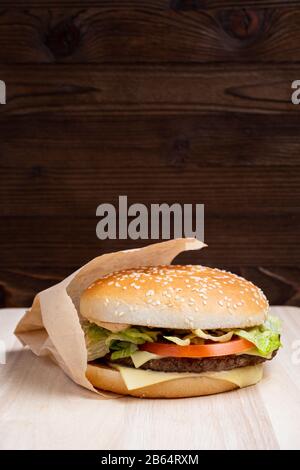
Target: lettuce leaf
(273, 323)
(122, 349)
(100, 341)
(178, 341)
(265, 337)
(95, 340)
(222, 338)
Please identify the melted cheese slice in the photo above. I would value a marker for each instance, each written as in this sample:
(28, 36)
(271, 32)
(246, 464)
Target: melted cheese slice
(138, 378)
(141, 357)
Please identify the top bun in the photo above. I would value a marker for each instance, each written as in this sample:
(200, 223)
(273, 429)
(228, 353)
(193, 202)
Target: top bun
(179, 297)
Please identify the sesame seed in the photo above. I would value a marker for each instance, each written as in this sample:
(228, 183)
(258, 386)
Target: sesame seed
(149, 292)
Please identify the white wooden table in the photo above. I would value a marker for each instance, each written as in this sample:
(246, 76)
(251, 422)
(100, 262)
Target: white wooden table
(40, 408)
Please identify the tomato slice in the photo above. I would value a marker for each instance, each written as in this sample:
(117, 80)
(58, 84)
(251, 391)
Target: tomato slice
(202, 350)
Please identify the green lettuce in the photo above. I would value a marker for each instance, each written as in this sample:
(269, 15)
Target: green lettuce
(100, 341)
(273, 323)
(198, 336)
(265, 337)
(133, 335)
(178, 341)
(220, 338)
(95, 340)
(122, 349)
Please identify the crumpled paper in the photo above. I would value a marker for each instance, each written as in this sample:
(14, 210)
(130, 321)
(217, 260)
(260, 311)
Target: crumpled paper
(52, 325)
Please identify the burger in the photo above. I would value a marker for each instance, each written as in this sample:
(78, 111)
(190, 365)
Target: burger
(176, 331)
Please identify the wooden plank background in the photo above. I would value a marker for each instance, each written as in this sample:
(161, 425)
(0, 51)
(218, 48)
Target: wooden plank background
(165, 101)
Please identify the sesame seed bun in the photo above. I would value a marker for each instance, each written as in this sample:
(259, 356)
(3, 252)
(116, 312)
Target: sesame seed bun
(179, 297)
(107, 378)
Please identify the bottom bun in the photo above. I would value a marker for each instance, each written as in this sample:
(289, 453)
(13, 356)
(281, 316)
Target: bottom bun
(106, 378)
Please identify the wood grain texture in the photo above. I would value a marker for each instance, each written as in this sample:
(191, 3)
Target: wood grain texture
(174, 142)
(162, 100)
(178, 5)
(19, 286)
(69, 241)
(42, 191)
(123, 90)
(152, 33)
(40, 403)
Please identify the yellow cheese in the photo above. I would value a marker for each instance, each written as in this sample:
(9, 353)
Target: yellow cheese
(242, 376)
(138, 378)
(140, 357)
(254, 352)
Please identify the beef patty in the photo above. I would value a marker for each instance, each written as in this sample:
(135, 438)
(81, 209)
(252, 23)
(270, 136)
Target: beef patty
(186, 364)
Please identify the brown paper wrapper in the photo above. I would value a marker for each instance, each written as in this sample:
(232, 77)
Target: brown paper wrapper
(52, 325)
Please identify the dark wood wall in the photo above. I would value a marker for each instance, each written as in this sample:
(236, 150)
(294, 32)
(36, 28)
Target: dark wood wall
(165, 101)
